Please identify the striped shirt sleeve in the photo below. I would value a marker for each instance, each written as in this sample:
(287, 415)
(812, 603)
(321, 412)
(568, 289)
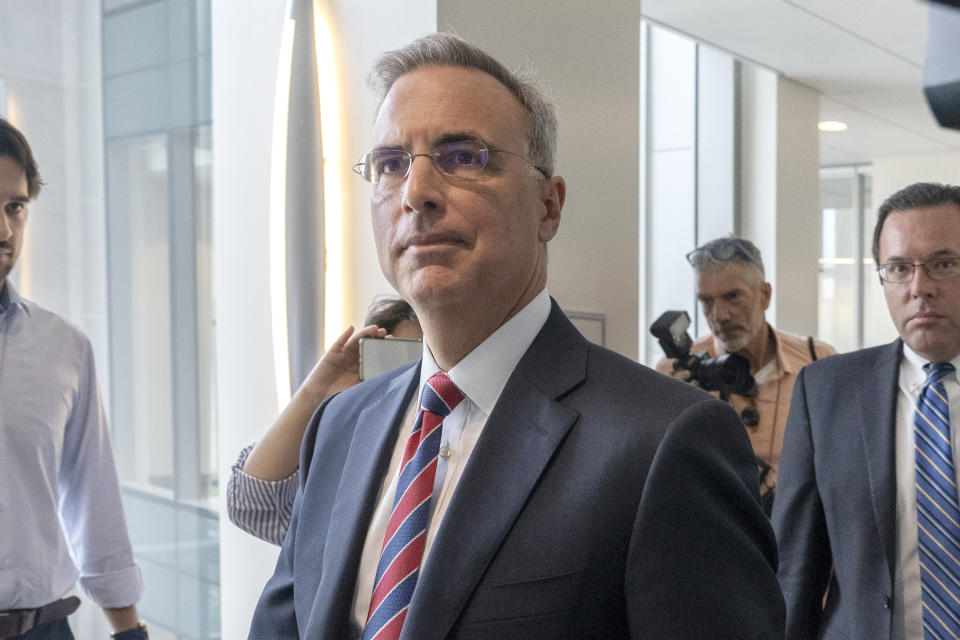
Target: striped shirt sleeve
(260, 507)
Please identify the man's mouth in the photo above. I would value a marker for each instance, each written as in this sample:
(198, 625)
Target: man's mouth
(426, 240)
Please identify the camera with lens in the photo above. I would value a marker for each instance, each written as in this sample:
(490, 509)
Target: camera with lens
(728, 374)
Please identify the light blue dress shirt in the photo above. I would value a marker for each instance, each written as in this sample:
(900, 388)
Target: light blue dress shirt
(61, 518)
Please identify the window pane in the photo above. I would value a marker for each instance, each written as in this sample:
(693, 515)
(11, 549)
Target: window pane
(139, 285)
(838, 262)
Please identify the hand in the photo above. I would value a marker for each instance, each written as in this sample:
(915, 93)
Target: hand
(684, 376)
(339, 367)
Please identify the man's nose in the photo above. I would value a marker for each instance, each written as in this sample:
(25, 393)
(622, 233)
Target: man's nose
(721, 310)
(422, 190)
(922, 285)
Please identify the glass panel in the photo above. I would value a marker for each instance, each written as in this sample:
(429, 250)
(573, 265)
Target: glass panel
(837, 311)
(159, 185)
(139, 285)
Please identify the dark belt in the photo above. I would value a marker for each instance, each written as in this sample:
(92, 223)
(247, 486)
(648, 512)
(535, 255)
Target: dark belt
(15, 622)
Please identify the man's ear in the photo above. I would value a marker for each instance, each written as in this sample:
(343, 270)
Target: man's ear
(766, 291)
(554, 191)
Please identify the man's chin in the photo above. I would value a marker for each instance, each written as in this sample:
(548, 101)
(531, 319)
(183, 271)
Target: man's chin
(733, 344)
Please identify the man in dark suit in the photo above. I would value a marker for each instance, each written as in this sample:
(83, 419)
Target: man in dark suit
(570, 493)
(866, 511)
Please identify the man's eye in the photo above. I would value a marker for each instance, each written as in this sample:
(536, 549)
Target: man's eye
(464, 158)
(460, 157)
(899, 268)
(947, 264)
(15, 208)
(390, 164)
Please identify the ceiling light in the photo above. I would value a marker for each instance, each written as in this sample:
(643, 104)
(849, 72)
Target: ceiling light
(832, 125)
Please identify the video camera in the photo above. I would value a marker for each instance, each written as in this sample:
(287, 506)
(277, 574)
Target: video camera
(728, 374)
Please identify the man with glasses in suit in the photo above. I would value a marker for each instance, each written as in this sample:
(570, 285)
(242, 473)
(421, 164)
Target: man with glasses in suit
(866, 513)
(543, 487)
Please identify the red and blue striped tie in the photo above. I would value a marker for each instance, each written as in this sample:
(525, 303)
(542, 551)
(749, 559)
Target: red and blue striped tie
(406, 534)
(938, 512)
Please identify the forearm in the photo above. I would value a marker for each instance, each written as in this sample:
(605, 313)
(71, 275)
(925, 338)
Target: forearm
(122, 618)
(277, 455)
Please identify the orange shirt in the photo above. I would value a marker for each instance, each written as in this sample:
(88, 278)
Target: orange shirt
(772, 400)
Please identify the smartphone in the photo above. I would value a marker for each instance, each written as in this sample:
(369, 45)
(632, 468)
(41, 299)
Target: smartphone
(379, 355)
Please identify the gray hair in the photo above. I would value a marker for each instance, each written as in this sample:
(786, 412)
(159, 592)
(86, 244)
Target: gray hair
(444, 49)
(725, 251)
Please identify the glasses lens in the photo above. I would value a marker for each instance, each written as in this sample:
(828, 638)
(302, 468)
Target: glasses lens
(462, 158)
(386, 164)
(896, 271)
(944, 269)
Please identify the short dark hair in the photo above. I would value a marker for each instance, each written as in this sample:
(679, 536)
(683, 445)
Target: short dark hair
(920, 195)
(14, 145)
(387, 313)
(445, 49)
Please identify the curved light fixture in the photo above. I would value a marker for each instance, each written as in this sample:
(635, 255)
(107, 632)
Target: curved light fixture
(296, 205)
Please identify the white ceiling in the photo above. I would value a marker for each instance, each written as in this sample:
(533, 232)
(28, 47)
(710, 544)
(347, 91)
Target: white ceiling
(864, 56)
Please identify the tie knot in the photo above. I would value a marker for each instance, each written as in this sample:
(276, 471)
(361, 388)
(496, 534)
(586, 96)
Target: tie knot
(937, 371)
(440, 395)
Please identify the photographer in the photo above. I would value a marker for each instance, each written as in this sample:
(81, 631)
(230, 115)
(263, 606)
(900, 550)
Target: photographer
(734, 295)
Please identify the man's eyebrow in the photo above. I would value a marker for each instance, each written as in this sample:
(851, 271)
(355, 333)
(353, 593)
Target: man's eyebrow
(445, 138)
(458, 136)
(389, 147)
(940, 253)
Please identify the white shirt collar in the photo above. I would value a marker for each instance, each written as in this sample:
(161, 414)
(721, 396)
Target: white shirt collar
(912, 374)
(483, 372)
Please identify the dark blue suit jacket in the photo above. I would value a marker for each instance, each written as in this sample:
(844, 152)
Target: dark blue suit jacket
(603, 500)
(835, 514)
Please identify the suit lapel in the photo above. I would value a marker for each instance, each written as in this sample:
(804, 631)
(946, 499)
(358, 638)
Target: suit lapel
(497, 481)
(356, 499)
(878, 419)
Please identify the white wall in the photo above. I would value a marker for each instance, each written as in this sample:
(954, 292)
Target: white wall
(797, 251)
(892, 173)
(245, 48)
(780, 191)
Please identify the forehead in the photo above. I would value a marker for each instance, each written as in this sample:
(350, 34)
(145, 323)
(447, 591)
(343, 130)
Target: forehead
(432, 101)
(916, 233)
(720, 280)
(13, 179)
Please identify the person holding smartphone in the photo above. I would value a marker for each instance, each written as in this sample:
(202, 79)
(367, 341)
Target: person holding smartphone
(264, 479)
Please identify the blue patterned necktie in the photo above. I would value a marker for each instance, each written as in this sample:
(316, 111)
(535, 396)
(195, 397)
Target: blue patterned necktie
(938, 512)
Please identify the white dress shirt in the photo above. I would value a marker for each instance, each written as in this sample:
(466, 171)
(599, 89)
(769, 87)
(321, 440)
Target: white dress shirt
(907, 608)
(60, 511)
(481, 376)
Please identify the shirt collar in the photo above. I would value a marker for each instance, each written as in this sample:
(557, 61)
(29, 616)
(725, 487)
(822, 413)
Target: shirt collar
(912, 374)
(483, 373)
(10, 298)
(787, 365)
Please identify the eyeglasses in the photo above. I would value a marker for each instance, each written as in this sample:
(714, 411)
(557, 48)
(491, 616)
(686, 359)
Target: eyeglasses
(460, 159)
(936, 269)
(723, 251)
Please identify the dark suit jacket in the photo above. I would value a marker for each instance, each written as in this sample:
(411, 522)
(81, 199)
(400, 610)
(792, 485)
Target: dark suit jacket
(603, 500)
(835, 514)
